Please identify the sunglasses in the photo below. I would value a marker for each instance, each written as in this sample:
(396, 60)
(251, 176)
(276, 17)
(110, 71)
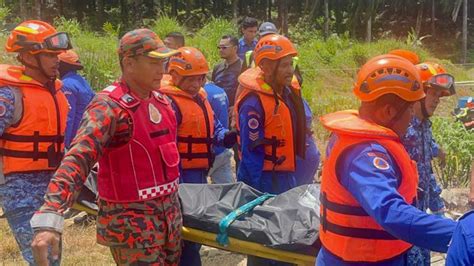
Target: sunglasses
(443, 82)
(224, 47)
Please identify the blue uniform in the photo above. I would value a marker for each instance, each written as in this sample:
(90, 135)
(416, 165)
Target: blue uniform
(250, 168)
(220, 105)
(22, 193)
(78, 93)
(421, 146)
(381, 200)
(221, 170)
(244, 47)
(306, 168)
(461, 250)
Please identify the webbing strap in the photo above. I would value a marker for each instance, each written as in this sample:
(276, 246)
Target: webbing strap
(222, 238)
(364, 233)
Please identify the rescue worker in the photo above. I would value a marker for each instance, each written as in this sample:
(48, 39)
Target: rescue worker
(130, 129)
(77, 90)
(308, 161)
(33, 112)
(267, 28)
(221, 170)
(461, 249)
(369, 182)
(198, 129)
(270, 118)
(422, 147)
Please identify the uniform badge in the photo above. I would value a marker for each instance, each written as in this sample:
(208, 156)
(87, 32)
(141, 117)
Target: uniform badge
(380, 163)
(155, 115)
(3, 110)
(253, 123)
(253, 136)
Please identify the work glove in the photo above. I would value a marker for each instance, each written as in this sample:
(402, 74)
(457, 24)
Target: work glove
(230, 138)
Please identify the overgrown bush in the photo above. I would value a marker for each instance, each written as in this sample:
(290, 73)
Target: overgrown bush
(458, 143)
(207, 38)
(164, 25)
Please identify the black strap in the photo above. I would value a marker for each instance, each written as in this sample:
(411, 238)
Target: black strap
(190, 156)
(159, 133)
(190, 139)
(32, 138)
(340, 208)
(358, 232)
(275, 143)
(24, 154)
(349, 231)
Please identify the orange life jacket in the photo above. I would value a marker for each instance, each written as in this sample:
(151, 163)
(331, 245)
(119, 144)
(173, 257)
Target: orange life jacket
(280, 144)
(36, 142)
(196, 131)
(346, 230)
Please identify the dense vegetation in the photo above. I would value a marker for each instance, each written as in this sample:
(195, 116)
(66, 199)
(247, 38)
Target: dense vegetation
(328, 64)
(441, 24)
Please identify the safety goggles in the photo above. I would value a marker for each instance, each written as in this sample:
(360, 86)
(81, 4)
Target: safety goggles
(57, 42)
(443, 82)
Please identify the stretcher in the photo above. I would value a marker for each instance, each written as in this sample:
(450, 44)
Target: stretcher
(235, 245)
(229, 234)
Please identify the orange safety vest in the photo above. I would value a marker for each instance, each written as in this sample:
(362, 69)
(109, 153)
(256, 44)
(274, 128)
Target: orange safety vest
(36, 142)
(196, 131)
(279, 143)
(346, 230)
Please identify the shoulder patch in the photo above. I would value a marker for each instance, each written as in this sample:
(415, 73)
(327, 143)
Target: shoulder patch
(380, 163)
(253, 123)
(3, 110)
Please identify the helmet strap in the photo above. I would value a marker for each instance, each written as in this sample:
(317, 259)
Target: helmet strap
(398, 115)
(39, 65)
(275, 95)
(424, 112)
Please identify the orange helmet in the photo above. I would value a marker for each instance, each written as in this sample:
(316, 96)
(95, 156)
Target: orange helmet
(409, 55)
(388, 74)
(37, 36)
(273, 47)
(70, 57)
(188, 62)
(433, 75)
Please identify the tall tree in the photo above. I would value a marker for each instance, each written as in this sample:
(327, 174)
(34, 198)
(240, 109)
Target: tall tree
(464, 32)
(326, 19)
(368, 34)
(269, 10)
(283, 15)
(235, 9)
(23, 10)
(433, 18)
(37, 9)
(419, 17)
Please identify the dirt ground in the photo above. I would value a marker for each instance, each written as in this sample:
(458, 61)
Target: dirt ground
(80, 248)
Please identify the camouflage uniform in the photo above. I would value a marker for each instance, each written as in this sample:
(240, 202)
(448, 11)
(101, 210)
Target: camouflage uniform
(134, 231)
(421, 146)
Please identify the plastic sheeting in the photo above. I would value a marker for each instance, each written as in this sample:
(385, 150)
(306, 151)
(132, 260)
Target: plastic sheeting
(289, 221)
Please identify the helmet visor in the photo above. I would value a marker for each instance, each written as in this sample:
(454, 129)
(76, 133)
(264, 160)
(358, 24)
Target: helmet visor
(443, 82)
(57, 42)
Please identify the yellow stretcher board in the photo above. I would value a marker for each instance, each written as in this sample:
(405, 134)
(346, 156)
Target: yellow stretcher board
(235, 245)
(246, 247)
